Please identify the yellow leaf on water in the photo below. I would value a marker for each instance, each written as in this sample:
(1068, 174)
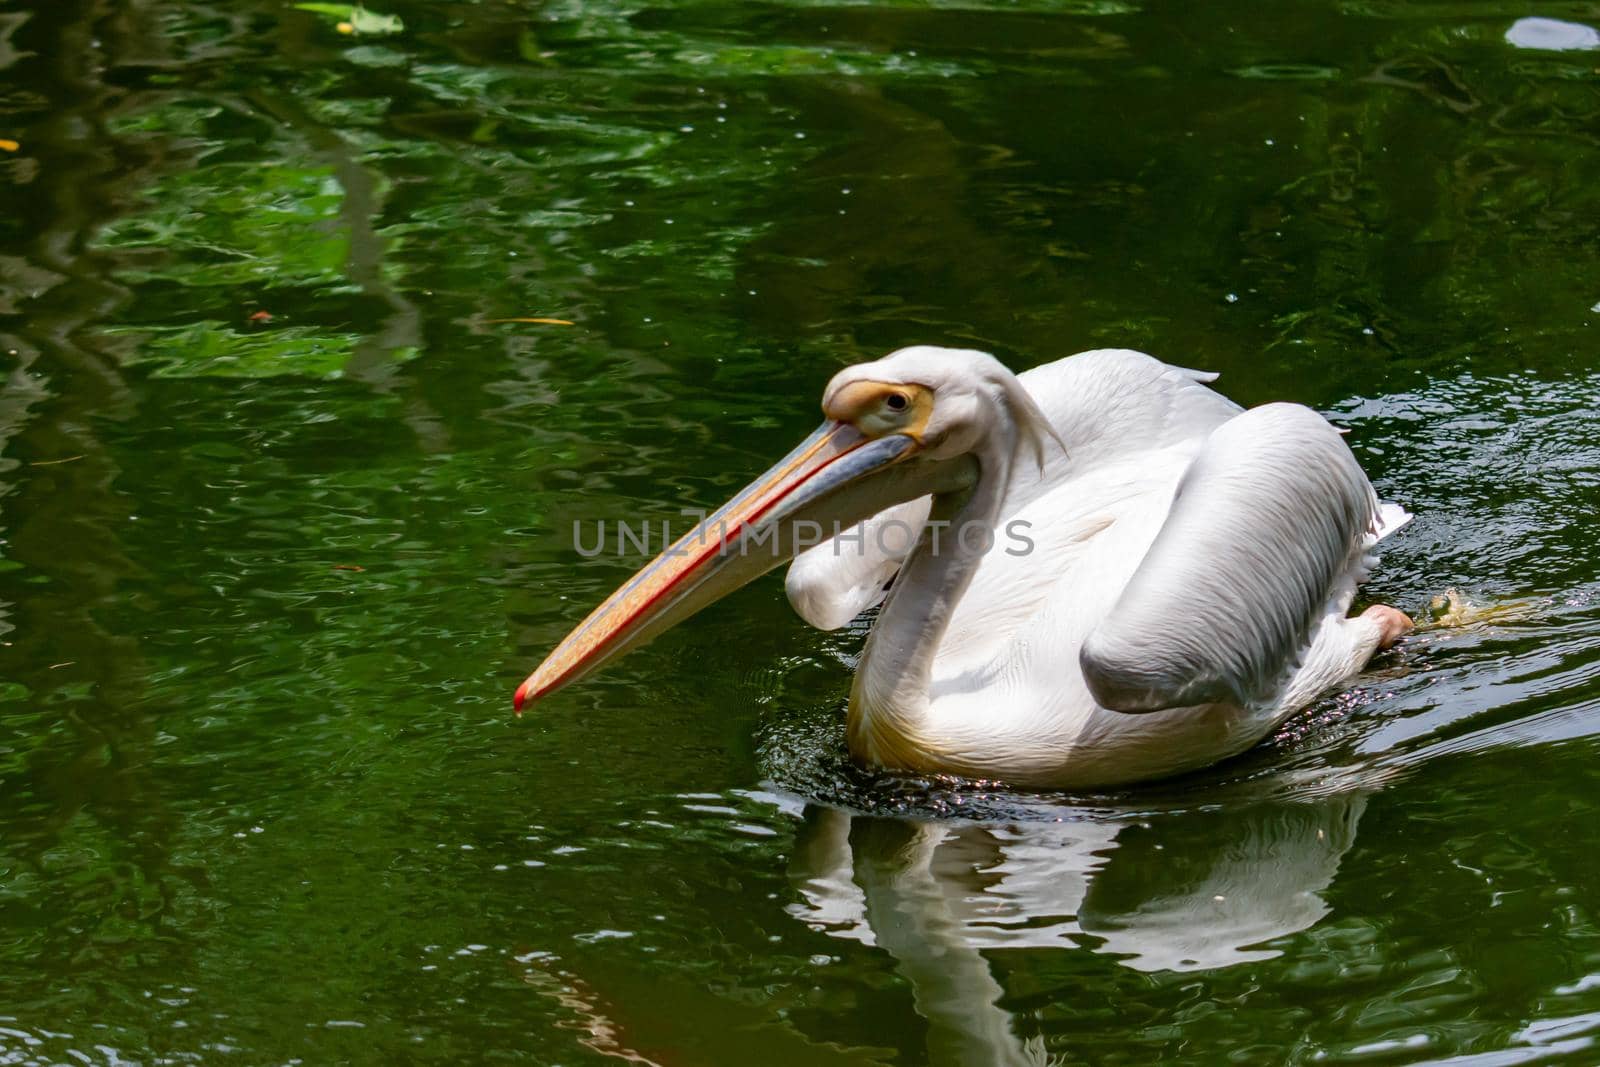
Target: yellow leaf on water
(546, 322)
(1451, 609)
(8, 146)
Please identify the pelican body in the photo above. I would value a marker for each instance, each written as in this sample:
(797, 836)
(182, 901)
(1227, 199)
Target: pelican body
(1095, 573)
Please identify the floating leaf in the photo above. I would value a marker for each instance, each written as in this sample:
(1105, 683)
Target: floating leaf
(9, 146)
(353, 18)
(1287, 72)
(547, 322)
(364, 21)
(1451, 609)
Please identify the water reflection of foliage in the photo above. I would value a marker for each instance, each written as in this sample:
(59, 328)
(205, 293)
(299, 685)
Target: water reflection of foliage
(184, 677)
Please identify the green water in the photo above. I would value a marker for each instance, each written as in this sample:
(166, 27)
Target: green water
(286, 517)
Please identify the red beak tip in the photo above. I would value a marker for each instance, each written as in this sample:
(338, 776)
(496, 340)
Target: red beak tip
(520, 699)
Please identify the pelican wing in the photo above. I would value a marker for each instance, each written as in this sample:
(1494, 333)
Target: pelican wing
(1270, 520)
(834, 581)
(1110, 403)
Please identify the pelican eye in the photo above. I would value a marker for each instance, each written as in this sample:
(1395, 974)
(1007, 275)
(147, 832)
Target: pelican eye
(876, 408)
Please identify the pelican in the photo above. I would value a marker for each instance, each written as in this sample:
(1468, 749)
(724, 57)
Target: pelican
(1094, 573)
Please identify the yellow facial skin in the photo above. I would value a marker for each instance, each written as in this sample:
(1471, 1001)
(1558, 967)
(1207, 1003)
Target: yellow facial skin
(878, 408)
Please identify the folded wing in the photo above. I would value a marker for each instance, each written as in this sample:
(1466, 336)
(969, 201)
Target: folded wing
(1271, 517)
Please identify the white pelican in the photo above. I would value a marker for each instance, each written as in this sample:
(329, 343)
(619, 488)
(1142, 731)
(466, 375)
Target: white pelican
(1117, 575)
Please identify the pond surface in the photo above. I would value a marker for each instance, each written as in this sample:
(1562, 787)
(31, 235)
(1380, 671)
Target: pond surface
(286, 516)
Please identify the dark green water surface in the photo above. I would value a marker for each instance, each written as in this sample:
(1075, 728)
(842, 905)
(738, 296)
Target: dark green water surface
(286, 517)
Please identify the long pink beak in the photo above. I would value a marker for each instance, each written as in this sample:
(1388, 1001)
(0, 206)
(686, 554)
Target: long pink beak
(715, 557)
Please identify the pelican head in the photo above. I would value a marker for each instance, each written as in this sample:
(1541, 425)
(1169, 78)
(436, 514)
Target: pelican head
(920, 421)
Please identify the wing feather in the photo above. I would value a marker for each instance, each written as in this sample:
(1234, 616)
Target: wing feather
(834, 581)
(1270, 517)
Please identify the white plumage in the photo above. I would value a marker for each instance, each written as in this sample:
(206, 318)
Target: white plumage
(1192, 564)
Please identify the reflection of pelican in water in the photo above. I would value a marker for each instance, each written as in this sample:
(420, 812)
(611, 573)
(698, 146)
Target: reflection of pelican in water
(1190, 891)
(1180, 587)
